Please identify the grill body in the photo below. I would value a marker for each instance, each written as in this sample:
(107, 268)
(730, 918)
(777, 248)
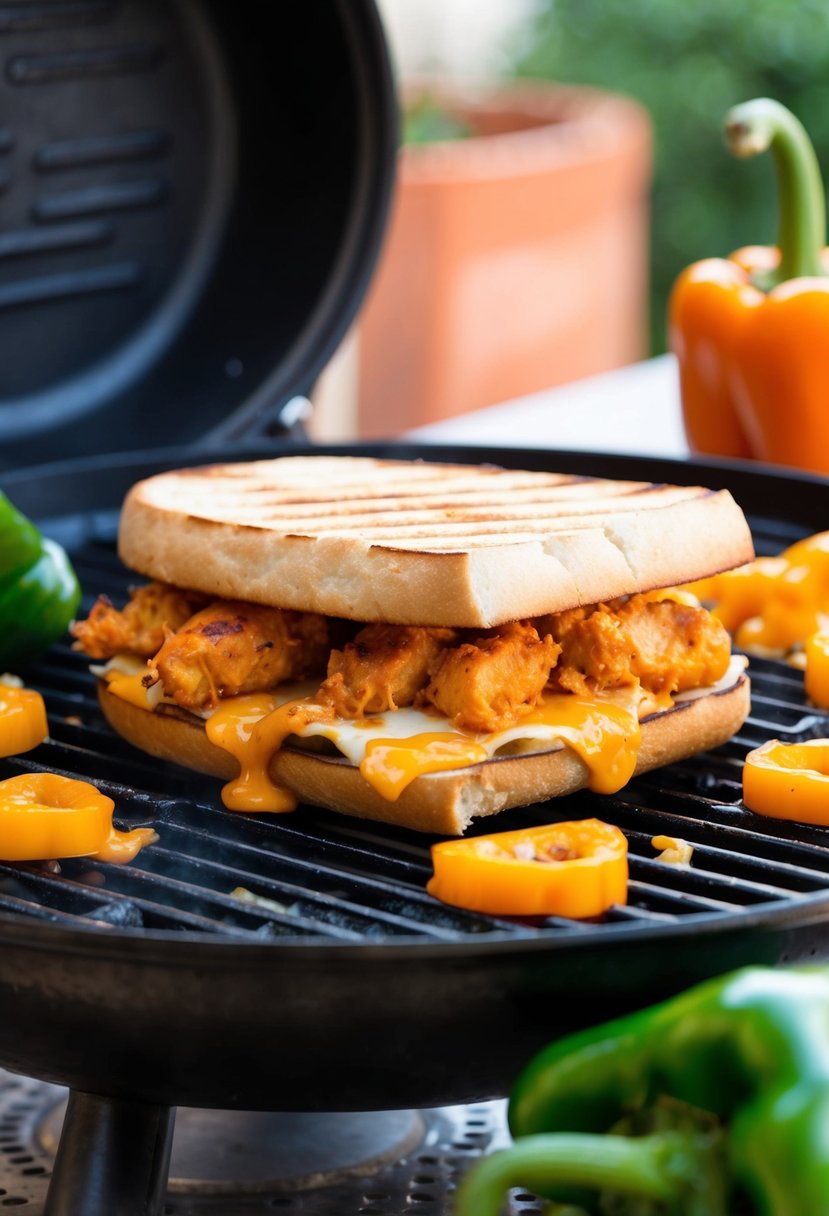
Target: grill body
(343, 985)
(309, 1027)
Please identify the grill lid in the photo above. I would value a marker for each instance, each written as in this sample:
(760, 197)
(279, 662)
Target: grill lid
(191, 204)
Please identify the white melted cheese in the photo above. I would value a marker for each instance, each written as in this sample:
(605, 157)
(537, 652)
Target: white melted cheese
(534, 733)
(394, 748)
(352, 737)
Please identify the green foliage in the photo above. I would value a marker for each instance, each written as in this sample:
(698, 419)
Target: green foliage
(688, 62)
(427, 120)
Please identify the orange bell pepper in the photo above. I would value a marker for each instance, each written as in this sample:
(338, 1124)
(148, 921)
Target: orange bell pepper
(774, 605)
(576, 869)
(45, 816)
(751, 331)
(22, 719)
(789, 781)
(816, 675)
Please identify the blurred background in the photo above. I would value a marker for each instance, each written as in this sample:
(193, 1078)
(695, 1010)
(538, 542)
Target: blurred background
(561, 163)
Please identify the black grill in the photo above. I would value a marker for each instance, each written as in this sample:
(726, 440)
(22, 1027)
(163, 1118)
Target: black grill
(336, 983)
(315, 875)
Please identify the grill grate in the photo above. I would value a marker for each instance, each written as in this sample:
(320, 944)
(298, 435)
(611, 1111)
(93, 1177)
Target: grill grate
(315, 875)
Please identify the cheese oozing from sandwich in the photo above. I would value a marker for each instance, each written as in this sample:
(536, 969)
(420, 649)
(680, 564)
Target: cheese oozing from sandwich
(401, 702)
(393, 748)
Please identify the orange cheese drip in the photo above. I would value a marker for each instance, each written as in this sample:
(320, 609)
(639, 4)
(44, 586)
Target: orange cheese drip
(605, 736)
(252, 728)
(604, 733)
(392, 764)
(129, 688)
(121, 847)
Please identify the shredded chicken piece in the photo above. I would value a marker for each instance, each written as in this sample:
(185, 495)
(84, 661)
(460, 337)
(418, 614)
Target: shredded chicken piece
(594, 655)
(383, 667)
(490, 683)
(232, 647)
(667, 646)
(141, 626)
(675, 646)
(560, 624)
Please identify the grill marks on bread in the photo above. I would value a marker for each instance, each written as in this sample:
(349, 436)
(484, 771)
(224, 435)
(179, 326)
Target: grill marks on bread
(424, 544)
(474, 504)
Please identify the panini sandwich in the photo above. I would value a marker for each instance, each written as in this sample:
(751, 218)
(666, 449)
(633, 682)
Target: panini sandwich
(417, 643)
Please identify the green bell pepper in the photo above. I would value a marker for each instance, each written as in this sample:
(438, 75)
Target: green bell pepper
(716, 1103)
(39, 591)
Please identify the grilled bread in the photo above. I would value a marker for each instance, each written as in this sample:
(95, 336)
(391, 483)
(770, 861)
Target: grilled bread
(470, 639)
(424, 544)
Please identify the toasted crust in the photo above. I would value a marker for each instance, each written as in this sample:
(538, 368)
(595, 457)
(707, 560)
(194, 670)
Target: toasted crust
(426, 544)
(438, 803)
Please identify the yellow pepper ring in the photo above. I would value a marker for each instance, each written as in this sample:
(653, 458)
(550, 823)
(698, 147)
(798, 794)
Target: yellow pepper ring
(816, 675)
(789, 781)
(44, 815)
(22, 719)
(577, 869)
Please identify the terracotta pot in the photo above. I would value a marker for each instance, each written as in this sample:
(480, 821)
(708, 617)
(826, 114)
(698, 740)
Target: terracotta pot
(515, 259)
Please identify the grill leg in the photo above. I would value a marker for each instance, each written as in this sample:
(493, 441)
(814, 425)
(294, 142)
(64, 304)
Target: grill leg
(113, 1158)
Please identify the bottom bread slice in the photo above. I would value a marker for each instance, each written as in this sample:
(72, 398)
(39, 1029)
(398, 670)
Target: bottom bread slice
(439, 803)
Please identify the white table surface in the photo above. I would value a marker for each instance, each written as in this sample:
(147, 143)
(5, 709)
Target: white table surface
(632, 410)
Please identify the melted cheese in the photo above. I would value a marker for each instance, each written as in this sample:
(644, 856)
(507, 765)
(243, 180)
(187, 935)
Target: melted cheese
(389, 765)
(252, 727)
(125, 675)
(393, 749)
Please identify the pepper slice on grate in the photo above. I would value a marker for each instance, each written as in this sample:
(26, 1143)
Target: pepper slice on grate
(46, 816)
(577, 869)
(816, 674)
(22, 719)
(789, 780)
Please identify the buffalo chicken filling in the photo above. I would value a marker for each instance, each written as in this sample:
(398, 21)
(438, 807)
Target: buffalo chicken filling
(202, 651)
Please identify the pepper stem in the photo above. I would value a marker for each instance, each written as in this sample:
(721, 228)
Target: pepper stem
(678, 1170)
(762, 124)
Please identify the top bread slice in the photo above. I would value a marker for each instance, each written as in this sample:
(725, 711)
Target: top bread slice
(411, 542)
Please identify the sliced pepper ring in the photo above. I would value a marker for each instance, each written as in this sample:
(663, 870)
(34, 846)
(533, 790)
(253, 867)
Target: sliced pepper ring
(577, 869)
(22, 719)
(789, 780)
(816, 675)
(45, 815)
